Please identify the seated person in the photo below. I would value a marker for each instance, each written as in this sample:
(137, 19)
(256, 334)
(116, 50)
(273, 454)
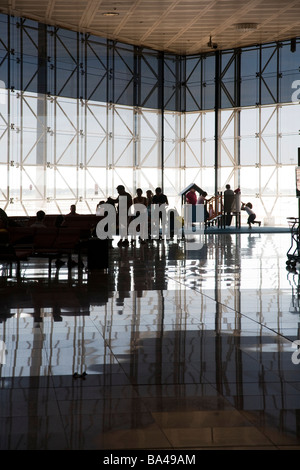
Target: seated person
(40, 220)
(3, 219)
(59, 220)
(72, 210)
(6, 221)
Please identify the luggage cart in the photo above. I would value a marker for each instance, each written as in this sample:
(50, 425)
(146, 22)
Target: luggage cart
(293, 253)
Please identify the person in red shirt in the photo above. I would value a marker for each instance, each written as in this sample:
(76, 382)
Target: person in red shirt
(191, 197)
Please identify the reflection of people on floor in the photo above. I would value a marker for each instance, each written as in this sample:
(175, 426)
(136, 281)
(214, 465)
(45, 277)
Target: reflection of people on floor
(123, 279)
(228, 255)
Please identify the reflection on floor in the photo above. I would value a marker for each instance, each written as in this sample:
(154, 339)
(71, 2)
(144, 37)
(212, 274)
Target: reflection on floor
(171, 348)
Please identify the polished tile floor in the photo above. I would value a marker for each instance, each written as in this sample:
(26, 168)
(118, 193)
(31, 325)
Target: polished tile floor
(169, 349)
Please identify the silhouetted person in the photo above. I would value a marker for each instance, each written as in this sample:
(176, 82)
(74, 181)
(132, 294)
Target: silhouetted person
(72, 210)
(228, 202)
(140, 199)
(3, 219)
(122, 192)
(159, 197)
(191, 197)
(251, 214)
(40, 220)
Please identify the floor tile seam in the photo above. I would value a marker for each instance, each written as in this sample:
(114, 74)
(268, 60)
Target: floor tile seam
(233, 310)
(110, 348)
(261, 427)
(229, 403)
(213, 430)
(61, 416)
(52, 388)
(229, 406)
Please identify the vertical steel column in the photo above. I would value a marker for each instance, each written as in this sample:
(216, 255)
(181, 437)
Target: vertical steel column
(161, 107)
(107, 161)
(41, 137)
(9, 84)
(136, 116)
(237, 84)
(84, 103)
(110, 112)
(298, 197)
(259, 74)
(217, 107)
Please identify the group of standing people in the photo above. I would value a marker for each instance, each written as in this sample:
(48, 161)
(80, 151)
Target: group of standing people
(231, 203)
(157, 198)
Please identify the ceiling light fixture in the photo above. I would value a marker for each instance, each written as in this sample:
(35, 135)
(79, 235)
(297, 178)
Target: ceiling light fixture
(110, 13)
(246, 26)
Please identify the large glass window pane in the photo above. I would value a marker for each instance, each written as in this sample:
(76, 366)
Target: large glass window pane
(193, 89)
(228, 79)
(249, 151)
(249, 80)
(148, 154)
(290, 119)
(149, 75)
(171, 140)
(249, 122)
(171, 91)
(208, 83)
(96, 122)
(96, 69)
(289, 73)
(4, 45)
(123, 149)
(66, 63)
(4, 124)
(123, 76)
(269, 74)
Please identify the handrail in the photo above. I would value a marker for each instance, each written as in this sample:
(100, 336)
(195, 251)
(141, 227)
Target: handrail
(214, 207)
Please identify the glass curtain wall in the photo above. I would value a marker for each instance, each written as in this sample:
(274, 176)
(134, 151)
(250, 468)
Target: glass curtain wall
(80, 114)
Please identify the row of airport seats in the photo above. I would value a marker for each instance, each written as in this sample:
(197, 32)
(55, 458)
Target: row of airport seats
(23, 240)
(81, 220)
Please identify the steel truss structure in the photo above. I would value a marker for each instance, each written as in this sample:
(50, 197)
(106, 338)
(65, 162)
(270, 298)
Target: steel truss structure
(80, 114)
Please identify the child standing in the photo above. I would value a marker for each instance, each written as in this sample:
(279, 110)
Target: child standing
(251, 214)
